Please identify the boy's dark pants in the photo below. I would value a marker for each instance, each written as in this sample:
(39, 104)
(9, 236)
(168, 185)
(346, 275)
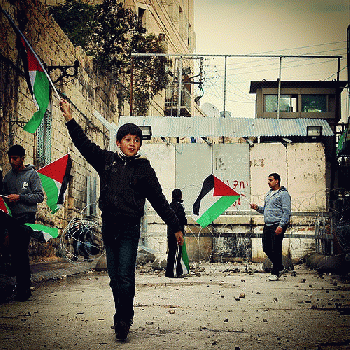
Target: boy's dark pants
(272, 246)
(121, 252)
(19, 243)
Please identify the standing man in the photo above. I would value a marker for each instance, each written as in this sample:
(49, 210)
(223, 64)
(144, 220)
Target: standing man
(126, 180)
(277, 211)
(22, 191)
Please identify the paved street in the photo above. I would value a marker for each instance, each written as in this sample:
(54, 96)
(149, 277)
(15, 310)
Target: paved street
(220, 306)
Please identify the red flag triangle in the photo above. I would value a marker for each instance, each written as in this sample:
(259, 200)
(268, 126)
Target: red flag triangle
(33, 64)
(3, 206)
(221, 189)
(55, 170)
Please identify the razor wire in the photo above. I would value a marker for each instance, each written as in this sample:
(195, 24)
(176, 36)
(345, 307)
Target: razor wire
(81, 239)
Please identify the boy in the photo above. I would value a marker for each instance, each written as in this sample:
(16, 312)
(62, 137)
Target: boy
(23, 191)
(126, 180)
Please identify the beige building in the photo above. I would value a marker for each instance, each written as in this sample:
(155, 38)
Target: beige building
(173, 22)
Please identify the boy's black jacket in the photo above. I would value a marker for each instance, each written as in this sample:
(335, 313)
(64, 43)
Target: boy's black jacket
(124, 183)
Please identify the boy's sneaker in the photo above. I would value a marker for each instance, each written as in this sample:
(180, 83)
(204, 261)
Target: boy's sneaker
(23, 295)
(273, 278)
(122, 329)
(283, 271)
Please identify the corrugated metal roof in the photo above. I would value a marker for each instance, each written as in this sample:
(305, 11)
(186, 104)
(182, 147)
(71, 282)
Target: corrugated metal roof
(229, 126)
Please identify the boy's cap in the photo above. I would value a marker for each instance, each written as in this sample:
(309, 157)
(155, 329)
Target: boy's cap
(129, 128)
(16, 150)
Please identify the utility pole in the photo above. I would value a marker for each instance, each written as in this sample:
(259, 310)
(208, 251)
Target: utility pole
(225, 87)
(131, 86)
(179, 79)
(279, 90)
(348, 61)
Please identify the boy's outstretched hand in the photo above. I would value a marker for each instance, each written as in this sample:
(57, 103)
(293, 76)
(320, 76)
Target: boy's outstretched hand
(179, 237)
(65, 108)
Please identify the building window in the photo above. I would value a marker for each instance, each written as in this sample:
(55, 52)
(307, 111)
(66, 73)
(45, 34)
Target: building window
(142, 17)
(314, 103)
(182, 24)
(189, 41)
(91, 196)
(288, 103)
(43, 136)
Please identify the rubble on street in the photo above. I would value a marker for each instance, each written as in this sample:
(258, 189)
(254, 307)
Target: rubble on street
(216, 306)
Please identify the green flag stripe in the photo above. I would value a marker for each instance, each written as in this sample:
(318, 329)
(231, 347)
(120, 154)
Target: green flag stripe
(8, 209)
(41, 90)
(52, 231)
(185, 258)
(216, 210)
(51, 190)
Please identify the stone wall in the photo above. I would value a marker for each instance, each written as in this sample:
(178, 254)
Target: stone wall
(88, 91)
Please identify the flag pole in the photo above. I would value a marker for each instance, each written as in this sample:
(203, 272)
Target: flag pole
(34, 53)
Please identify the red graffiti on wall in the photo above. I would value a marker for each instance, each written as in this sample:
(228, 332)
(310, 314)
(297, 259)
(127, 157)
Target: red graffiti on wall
(238, 185)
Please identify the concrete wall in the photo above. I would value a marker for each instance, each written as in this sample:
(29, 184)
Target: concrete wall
(154, 232)
(237, 235)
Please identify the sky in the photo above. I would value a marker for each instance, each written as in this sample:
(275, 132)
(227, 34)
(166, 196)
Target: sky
(269, 27)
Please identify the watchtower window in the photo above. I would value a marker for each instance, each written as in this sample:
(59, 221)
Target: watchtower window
(314, 103)
(288, 103)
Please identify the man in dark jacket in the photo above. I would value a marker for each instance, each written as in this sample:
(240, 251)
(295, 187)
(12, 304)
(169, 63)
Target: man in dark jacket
(175, 266)
(126, 180)
(22, 191)
(277, 211)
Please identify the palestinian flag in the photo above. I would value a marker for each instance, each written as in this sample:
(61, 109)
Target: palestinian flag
(38, 232)
(54, 178)
(46, 231)
(36, 76)
(4, 207)
(214, 198)
(38, 85)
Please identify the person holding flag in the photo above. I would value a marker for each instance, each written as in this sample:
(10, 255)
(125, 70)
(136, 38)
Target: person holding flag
(22, 191)
(175, 264)
(126, 180)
